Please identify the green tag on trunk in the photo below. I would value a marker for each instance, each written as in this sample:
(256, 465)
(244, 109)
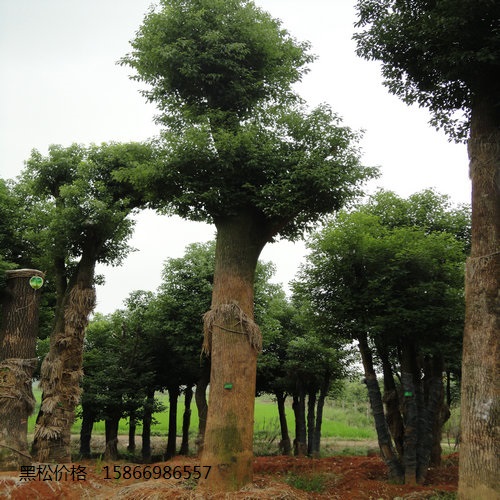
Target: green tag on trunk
(408, 393)
(36, 282)
(228, 386)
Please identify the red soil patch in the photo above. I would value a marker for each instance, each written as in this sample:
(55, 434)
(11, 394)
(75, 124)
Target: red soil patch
(345, 478)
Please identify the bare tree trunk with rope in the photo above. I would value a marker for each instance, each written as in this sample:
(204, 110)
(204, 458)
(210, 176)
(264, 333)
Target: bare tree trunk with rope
(17, 363)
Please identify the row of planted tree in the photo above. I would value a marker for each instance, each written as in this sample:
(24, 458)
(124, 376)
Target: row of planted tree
(386, 278)
(383, 281)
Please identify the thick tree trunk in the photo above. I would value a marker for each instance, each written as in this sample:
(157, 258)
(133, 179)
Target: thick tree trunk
(186, 421)
(233, 341)
(285, 444)
(384, 438)
(111, 430)
(200, 397)
(146, 427)
(62, 367)
(17, 364)
(88, 419)
(173, 397)
(480, 402)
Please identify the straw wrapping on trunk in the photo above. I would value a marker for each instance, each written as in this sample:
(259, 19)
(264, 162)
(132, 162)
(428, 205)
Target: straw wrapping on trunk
(240, 324)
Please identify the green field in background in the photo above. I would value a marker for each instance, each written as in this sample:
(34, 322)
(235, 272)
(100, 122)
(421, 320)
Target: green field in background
(337, 422)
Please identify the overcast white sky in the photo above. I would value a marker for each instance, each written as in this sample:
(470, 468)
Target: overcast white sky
(59, 84)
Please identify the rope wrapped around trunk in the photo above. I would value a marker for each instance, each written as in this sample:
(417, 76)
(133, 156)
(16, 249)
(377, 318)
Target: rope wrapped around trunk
(230, 318)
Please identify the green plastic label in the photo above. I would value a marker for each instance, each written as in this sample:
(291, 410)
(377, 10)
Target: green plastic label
(228, 386)
(408, 393)
(36, 282)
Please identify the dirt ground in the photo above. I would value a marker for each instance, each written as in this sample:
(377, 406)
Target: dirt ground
(275, 477)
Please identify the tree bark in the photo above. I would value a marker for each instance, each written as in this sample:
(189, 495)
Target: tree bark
(186, 421)
(61, 370)
(233, 341)
(146, 427)
(323, 392)
(443, 413)
(431, 415)
(88, 418)
(311, 419)
(17, 364)
(410, 412)
(285, 444)
(391, 399)
(480, 401)
(299, 410)
(132, 426)
(200, 397)
(173, 397)
(111, 430)
(384, 438)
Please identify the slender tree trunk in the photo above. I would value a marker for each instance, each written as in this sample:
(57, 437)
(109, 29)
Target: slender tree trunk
(146, 427)
(448, 388)
(410, 411)
(285, 444)
(200, 396)
(173, 397)
(311, 419)
(431, 421)
(384, 438)
(233, 341)
(186, 421)
(299, 410)
(132, 426)
(442, 413)
(88, 419)
(111, 429)
(391, 399)
(319, 415)
(480, 402)
(17, 363)
(62, 367)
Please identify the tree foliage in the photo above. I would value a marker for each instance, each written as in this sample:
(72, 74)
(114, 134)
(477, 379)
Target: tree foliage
(439, 54)
(390, 276)
(215, 57)
(71, 198)
(239, 145)
(394, 267)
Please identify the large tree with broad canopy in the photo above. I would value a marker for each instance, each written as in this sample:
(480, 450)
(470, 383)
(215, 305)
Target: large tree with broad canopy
(241, 151)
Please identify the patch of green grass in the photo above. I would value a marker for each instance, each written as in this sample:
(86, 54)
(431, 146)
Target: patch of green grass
(266, 438)
(312, 483)
(444, 495)
(351, 451)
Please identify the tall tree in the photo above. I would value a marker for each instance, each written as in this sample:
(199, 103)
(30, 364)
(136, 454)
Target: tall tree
(398, 291)
(444, 55)
(241, 152)
(74, 206)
